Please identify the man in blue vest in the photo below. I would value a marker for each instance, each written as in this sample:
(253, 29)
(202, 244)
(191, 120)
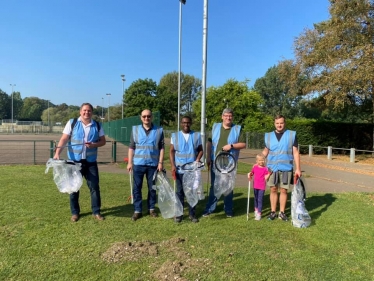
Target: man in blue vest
(281, 150)
(226, 136)
(185, 147)
(145, 156)
(84, 136)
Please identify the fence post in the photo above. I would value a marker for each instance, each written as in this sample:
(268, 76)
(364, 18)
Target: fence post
(352, 155)
(114, 152)
(310, 150)
(329, 152)
(51, 149)
(246, 139)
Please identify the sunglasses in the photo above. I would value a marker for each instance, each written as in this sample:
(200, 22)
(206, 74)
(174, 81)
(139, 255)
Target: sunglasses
(146, 116)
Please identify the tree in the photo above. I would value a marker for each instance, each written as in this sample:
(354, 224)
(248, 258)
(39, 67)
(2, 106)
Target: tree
(190, 88)
(139, 96)
(337, 56)
(277, 98)
(33, 108)
(167, 105)
(237, 96)
(4, 105)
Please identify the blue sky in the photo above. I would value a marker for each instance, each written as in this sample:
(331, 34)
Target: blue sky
(75, 51)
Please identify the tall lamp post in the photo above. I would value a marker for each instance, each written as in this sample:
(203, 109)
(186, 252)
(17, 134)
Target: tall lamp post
(108, 94)
(179, 57)
(102, 111)
(123, 90)
(12, 104)
(49, 128)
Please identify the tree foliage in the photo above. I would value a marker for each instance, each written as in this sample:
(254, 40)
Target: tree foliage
(336, 58)
(236, 95)
(140, 95)
(277, 97)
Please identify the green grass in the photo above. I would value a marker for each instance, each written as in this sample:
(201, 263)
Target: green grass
(38, 241)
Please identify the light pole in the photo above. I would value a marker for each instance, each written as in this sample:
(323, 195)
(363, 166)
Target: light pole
(102, 110)
(108, 94)
(123, 90)
(12, 104)
(179, 57)
(48, 118)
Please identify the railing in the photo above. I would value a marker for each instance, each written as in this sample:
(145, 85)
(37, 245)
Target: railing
(39, 151)
(329, 149)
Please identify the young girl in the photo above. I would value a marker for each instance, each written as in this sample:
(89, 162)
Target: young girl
(260, 174)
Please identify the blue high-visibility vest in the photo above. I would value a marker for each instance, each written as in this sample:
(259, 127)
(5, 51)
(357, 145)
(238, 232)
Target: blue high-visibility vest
(76, 143)
(280, 157)
(185, 151)
(232, 138)
(146, 151)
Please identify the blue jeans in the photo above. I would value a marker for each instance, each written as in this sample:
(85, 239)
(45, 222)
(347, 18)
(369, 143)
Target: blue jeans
(180, 194)
(212, 200)
(90, 172)
(138, 172)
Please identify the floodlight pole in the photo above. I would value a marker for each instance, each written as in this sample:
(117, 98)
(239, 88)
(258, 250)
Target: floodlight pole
(12, 105)
(180, 59)
(123, 90)
(102, 109)
(108, 94)
(203, 80)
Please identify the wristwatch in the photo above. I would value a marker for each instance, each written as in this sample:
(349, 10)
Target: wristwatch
(232, 146)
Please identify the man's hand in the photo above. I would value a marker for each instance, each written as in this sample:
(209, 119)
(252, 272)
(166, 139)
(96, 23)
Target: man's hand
(129, 167)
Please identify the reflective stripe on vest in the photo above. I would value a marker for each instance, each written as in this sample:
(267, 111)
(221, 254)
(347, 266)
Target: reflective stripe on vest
(280, 156)
(146, 146)
(232, 138)
(76, 143)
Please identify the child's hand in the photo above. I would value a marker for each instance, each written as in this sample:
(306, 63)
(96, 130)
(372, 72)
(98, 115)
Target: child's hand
(250, 175)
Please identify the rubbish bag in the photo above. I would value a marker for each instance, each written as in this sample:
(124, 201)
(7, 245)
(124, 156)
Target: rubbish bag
(66, 175)
(193, 187)
(224, 183)
(168, 202)
(299, 214)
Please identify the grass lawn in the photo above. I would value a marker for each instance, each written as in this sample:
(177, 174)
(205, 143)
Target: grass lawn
(38, 241)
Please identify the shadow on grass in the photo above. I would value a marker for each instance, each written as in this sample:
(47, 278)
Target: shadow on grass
(316, 202)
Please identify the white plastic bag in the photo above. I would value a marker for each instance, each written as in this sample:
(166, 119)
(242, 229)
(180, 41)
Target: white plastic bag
(299, 214)
(168, 203)
(66, 175)
(223, 183)
(193, 187)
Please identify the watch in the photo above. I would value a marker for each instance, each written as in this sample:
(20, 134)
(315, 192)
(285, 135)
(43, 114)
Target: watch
(232, 146)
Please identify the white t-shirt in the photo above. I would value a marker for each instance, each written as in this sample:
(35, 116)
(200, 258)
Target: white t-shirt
(186, 137)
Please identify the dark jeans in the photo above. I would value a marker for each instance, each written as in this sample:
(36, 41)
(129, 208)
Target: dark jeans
(91, 173)
(212, 200)
(138, 172)
(180, 194)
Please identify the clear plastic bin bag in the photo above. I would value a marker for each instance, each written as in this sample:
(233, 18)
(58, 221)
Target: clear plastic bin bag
(66, 175)
(224, 183)
(299, 214)
(168, 202)
(193, 187)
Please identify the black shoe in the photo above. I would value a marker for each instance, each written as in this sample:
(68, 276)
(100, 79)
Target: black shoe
(178, 219)
(194, 219)
(282, 216)
(272, 216)
(136, 216)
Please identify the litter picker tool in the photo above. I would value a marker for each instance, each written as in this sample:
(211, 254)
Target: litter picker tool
(225, 162)
(249, 194)
(131, 188)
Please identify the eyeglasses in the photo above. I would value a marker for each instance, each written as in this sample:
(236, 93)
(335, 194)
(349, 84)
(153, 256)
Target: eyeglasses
(147, 116)
(227, 115)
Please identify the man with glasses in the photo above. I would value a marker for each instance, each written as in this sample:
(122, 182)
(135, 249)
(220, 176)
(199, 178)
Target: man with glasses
(185, 147)
(145, 157)
(84, 136)
(226, 136)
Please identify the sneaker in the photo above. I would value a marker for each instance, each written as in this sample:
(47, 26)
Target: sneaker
(257, 217)
(178, 219)
(272, 216)
(282, 216)
(207, 214)
(229, 215)
(194, 219)
(256, 212)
